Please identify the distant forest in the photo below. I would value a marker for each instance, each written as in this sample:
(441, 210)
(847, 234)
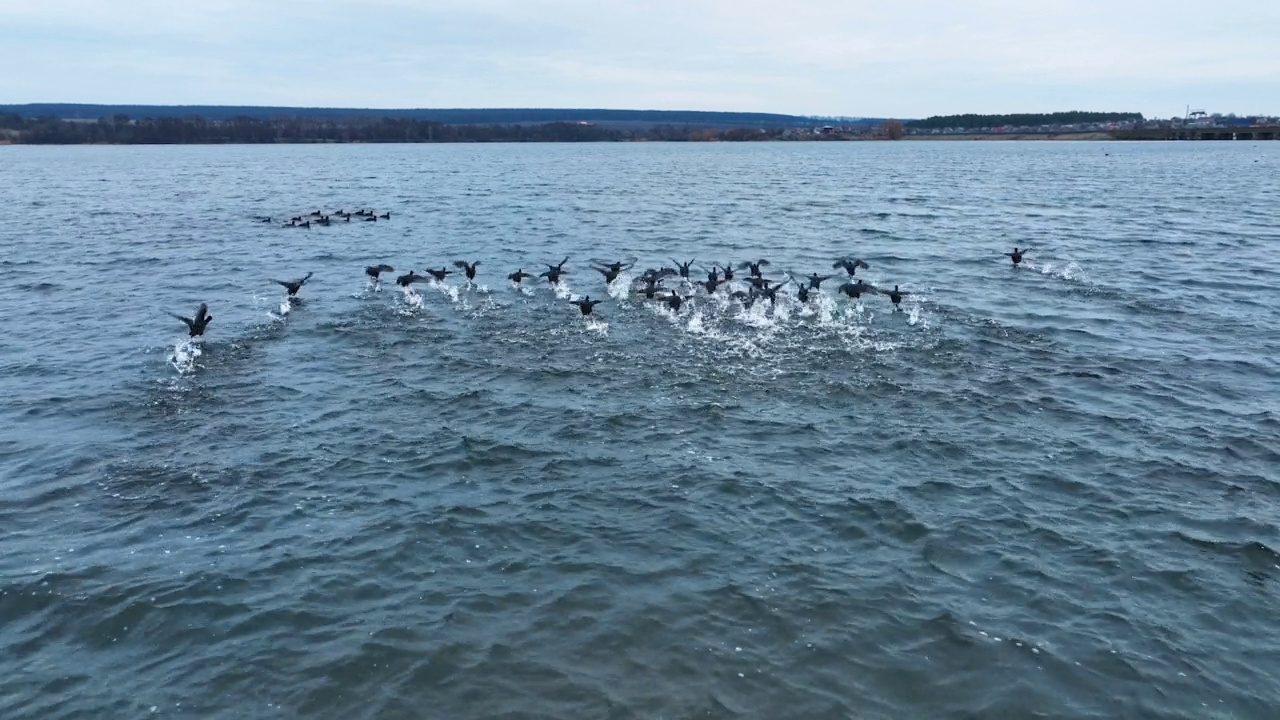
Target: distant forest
(1074, 117)
(497, 116)
(122, 130)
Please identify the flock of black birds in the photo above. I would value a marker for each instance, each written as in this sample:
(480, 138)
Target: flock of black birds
(649, 284)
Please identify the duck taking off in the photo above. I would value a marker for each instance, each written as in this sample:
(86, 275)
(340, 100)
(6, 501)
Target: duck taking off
(293, 286)
(412, 277)
(683, 268)
(609, 272)
(674, 300)
(1016, 255)
(895, 295)
(816, 280)
(197, 324)
(373, 271)
(554, 272)
(440, 274)
(519, 275)
(586, 304)
(468, 269)
(754, 267)
(850, 265)
(857, 289)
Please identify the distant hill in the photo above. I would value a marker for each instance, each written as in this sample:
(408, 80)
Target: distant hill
(455, 116)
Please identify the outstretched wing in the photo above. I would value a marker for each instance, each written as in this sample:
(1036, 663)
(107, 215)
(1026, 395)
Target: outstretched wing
(461, 264)
(190, 323)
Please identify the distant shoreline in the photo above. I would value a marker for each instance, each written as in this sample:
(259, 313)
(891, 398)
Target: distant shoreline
(1065, 136)
(974, 137)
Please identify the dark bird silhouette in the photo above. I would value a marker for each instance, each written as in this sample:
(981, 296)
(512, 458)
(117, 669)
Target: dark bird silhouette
(468, 269)
(293, 286)
(857, 289)
(656, 275)
(850, 265)
(197, 324)
(409, 279)
(760, 283)
(440, 274)
(802, 291)
(385, 216)
(373, 271)
(519, 275)
(769, 292)
(712, 283)
(617, 267)
(649, 285)
(683, 267)
(674, 300)
(728, 272)
(586, 304)
(609, 273)
(754, 267)
(747, 298)
(816, 280)
(554, 272)
(895, 295)
(713, 274)
(1016, 255)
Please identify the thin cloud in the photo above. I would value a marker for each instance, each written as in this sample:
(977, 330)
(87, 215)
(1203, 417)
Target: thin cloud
(909, 58)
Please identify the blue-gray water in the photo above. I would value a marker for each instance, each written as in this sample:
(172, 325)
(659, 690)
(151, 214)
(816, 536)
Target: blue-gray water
(1043, 492)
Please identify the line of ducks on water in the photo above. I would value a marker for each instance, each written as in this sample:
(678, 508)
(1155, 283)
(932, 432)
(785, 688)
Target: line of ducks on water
(319, 217)
(648, 284)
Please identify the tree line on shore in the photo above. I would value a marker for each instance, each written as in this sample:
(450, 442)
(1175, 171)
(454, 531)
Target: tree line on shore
(974, 122)
(123, 130)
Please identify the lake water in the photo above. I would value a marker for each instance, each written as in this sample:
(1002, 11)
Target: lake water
(1050, 491)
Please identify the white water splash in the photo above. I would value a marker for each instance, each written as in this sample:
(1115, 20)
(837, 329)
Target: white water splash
(913, 315)
(562, 290)
(411, 299)
(595, 325)
(185, 353)
(449, 291)
(620, 288)
(1069, 271)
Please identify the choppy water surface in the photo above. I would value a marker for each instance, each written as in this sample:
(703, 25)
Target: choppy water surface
(1049, 492)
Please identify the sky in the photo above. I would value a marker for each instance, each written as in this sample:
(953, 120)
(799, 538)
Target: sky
(909, 58)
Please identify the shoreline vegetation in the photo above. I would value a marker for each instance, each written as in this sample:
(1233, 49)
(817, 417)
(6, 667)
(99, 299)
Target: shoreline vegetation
(176, 125)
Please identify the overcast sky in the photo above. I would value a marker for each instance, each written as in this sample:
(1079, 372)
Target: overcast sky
(909, 58)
